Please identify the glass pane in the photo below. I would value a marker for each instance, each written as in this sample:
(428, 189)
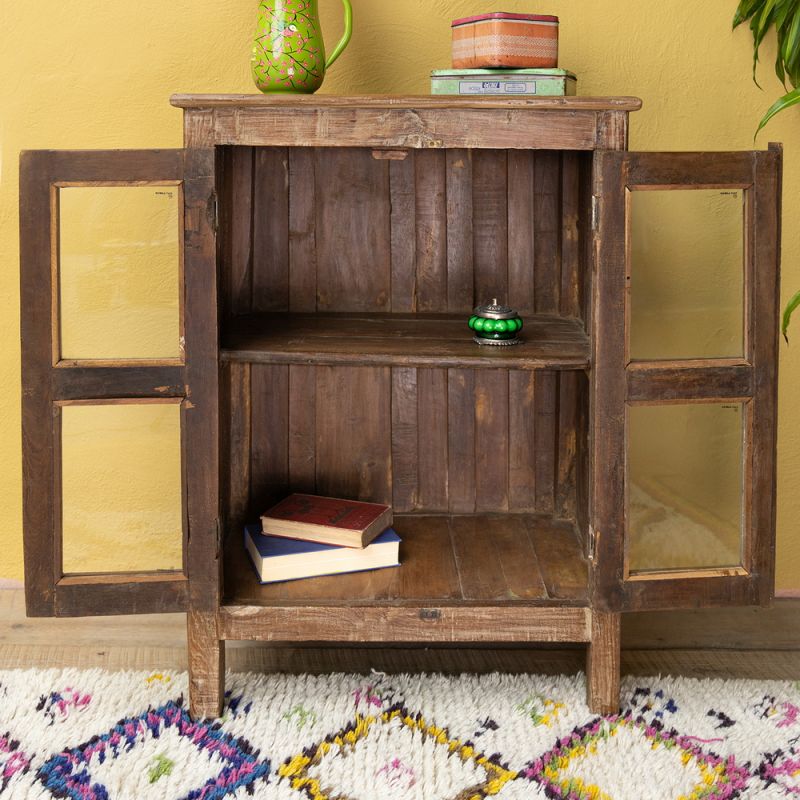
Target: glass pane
(119, 272)
(687, 274)
(685, 486)
(121, 483)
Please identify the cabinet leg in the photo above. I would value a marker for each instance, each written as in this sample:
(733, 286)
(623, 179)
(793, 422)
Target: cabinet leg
(206, 665)
(603, 664)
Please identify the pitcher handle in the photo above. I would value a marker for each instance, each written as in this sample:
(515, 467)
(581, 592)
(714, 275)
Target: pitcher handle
(348, 32)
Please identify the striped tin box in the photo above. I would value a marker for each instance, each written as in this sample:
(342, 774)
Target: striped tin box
(541, 82)
(505, 40)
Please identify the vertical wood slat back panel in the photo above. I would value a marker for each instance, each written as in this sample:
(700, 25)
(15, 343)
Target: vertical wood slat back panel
(339, 230)
(436, 440)
(335, 229)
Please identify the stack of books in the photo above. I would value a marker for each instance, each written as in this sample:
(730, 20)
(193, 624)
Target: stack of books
(306, 536)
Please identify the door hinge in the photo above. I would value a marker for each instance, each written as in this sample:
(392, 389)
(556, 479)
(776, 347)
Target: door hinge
(592, 544)
(595, 212)
(218, 538)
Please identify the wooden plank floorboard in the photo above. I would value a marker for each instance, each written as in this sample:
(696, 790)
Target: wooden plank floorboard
(745, 643)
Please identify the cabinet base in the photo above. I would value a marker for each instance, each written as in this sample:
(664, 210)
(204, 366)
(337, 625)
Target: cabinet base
(207, 660)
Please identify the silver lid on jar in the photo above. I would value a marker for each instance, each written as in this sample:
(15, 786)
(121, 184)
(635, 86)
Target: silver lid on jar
(495, 310)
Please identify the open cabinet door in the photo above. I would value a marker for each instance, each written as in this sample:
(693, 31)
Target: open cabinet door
(118, 324)
(684, 386)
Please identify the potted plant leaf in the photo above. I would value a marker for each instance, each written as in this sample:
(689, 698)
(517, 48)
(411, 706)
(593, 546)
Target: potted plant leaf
(784, 17)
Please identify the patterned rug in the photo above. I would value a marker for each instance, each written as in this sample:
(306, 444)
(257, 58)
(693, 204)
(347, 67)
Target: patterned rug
(94, 735)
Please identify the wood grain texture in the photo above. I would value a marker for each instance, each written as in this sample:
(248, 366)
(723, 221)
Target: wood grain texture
(126, 593)
(461, 440)
(236, 433)
(682, 382)
(496, 558)
(302, 429)
(569, 388)
(432, 439)
(547, 341)
(354, 433)
(353, 221)
(480, 560)
(603, 663)
(400, 129)
(430, 279)
(547, 232)
(302, 230)
(491, 440)
(206, 101)
(764, 338)
(201, 412)
(405, 440)
(392, 624)
(206, 665)
(38, 467)
(403, 191)
(237, 230)
(460, 222)
(522, 452)
(571, 232)
(98, 383)
(269, 442)
(521, 234)
(271, 239)
(545, 439)
(490, 225)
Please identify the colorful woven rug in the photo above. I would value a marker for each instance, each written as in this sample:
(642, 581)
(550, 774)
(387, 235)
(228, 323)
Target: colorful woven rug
(93, 735)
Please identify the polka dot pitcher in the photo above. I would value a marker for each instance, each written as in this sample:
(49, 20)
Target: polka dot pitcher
(288, 49)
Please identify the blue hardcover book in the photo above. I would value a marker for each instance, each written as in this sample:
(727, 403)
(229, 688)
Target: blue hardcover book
(277, 558)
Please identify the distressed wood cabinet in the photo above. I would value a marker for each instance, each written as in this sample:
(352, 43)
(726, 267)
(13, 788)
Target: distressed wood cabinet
(331, 251)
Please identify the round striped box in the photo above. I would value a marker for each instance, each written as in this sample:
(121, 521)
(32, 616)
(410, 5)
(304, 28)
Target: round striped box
(518, 41)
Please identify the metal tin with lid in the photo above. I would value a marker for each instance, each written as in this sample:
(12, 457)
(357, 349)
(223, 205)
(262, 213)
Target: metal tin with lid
(501, 39)
(495, 324)
(505, 82)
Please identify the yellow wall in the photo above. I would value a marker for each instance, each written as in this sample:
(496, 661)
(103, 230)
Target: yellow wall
(98, 75)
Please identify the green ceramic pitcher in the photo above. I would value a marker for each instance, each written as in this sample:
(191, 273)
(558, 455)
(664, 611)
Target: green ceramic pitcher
(288, 50)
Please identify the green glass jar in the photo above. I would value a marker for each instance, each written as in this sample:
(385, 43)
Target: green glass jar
(496, 324)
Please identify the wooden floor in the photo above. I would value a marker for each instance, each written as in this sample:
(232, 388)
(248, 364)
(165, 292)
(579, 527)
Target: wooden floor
(744, 643)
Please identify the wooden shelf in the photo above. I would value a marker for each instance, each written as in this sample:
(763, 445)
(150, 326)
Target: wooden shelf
(407, 340)
(237, 101)
(465, 561)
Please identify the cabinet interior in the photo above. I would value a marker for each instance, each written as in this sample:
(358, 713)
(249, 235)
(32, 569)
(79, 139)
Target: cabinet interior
(346, 279)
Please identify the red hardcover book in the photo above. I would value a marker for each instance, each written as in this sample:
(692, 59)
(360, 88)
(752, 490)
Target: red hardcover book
(328, 520)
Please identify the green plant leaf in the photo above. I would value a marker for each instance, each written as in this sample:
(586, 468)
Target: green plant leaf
(790, 50)
(787, 315)
(746, 10)
(760, 25)
(787, 101)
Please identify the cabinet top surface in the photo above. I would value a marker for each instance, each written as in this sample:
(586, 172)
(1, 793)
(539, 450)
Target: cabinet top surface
(189, 101)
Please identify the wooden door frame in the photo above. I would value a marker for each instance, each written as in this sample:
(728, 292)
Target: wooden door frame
(619, 383)
(49, 383)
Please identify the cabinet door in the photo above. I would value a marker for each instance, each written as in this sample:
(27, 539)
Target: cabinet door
(684, 387)
(119, 360)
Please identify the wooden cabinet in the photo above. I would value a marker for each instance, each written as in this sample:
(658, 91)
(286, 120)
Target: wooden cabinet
(331, 250)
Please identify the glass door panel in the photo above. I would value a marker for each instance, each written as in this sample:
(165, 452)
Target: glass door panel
(687, 274)
(121, 487)
(119, 273)
(117, 458)
(684, 378)
(685, 486)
